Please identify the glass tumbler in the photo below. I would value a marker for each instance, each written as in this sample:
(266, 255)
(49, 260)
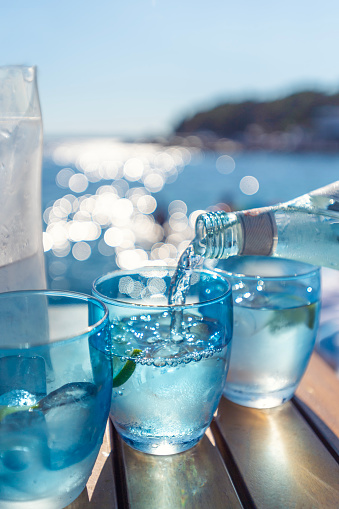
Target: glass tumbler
(167, 381)
(55, 393)
(276, 305)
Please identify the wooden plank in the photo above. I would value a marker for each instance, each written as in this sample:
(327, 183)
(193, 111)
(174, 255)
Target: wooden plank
(273, 457)
(281, 460)
(195, 479)
(101, 486)
(82, 502)
(319, 390)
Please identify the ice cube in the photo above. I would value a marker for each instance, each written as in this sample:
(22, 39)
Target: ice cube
(18, 398)
(245, 323)
(71, 415)
(18, 372)
(75, 392)
(23, 449)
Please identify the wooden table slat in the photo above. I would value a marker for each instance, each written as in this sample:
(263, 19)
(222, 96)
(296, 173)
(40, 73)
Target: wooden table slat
(319, 390)
(100, 492)
(282, 461)
(248, 459)
(195, 479)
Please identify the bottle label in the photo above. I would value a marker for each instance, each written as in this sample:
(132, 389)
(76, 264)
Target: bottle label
(259, 232)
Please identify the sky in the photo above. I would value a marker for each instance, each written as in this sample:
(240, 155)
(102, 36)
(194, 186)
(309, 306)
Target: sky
(136, 68)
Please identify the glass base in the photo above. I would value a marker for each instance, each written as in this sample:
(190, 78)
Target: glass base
(58, 502)
(259, 400)
(160, 446)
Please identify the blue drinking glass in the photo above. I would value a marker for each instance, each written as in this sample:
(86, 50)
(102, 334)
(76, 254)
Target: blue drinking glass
(167, 381)
(55, 393)
(276, 305)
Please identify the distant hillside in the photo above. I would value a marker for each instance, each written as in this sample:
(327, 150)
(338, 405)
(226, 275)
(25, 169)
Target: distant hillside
(311, 111)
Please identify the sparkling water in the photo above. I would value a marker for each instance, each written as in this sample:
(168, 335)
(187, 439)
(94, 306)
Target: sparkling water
(179, 287)
(273, 338)
(173, 389)
(49, 443)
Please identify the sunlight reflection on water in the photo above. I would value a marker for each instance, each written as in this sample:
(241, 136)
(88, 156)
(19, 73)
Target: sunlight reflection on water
(119, 213)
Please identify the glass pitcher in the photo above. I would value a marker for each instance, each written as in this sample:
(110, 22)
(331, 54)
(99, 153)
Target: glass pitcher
(21, 249)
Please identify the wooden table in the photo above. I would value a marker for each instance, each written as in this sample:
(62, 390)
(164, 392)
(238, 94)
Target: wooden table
(287, 457)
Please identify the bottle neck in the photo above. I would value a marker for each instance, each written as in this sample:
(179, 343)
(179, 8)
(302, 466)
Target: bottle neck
(255, 231)
(217, 235)
(250, 232)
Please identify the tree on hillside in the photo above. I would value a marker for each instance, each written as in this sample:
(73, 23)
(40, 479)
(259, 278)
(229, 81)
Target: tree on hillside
(231, 120)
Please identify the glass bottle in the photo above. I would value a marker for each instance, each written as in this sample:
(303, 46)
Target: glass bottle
(304, 229)
(21, 250)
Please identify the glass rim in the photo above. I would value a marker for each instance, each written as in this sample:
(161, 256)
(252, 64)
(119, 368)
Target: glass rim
(191, 305)
(311, 270)
(72, 296)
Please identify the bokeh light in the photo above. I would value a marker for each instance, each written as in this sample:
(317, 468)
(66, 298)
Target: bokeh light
(249, 185)
(78, 183)
(112, 209)
(81, 251)
(225, 164)
(63, 177)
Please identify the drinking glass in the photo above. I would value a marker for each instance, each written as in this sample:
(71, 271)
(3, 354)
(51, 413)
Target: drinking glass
(276, 313)
(167, 381)
(55, 393)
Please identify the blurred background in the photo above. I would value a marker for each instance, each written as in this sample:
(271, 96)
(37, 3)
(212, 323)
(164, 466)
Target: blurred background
(155, 110)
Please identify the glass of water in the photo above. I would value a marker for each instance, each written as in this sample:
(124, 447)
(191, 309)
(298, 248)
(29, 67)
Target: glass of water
(55, 393)
(167, 379)
(276, 313)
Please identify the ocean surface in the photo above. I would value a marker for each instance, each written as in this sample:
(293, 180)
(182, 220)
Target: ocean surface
(109, 203)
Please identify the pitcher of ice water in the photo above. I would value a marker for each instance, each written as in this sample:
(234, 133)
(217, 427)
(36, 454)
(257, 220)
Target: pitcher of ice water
(21, 250)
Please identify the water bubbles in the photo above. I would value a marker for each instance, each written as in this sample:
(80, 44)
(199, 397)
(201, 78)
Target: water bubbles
(176, 337)
(159, 362)
(152, 339)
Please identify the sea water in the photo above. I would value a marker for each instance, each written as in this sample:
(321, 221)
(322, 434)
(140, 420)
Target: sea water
(273, 339)
(50, 437)
(168, 401)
